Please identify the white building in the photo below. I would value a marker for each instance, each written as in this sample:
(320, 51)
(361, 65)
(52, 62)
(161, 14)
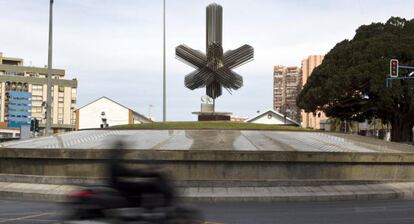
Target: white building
(105, 112)
(272, 117)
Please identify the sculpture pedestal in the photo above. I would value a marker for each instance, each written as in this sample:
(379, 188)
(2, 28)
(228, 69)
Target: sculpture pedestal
(213, 116)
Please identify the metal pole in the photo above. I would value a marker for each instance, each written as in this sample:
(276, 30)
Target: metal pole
(149, 111)
(164, 106)
(49, 74)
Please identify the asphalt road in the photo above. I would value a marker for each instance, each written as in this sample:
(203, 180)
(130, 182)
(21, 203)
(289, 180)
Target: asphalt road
(350, 212)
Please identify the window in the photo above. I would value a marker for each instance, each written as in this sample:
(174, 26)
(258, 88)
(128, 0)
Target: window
(37, 92)
(37, 103)
(37, 87)
(36, 109)
(74, 93)
(35, 98)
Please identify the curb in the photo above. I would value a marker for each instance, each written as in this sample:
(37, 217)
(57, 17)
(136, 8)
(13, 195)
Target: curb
(10, 195)
(402, 191)
(301, 198)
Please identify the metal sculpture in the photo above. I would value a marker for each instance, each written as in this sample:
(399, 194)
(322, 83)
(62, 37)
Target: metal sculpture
(214, 70)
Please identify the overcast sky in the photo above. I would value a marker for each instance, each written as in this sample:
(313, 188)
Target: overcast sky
(114, 48)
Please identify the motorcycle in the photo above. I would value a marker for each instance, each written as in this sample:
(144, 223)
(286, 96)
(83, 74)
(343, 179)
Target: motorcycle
(145, 198)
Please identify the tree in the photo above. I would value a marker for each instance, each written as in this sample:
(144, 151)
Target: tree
(350, 82)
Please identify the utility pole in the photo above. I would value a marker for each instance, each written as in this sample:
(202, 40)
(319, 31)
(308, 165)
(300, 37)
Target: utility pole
(49, 73)
(164, 106)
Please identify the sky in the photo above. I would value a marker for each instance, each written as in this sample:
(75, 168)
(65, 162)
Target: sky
(114, 48)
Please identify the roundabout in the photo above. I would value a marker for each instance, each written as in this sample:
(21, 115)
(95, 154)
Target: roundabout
(216, 155)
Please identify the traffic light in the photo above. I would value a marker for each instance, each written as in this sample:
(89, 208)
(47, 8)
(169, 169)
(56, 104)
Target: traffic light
(394, 68)
(34, 125)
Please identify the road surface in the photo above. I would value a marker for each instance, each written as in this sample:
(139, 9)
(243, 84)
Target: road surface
(354, 212)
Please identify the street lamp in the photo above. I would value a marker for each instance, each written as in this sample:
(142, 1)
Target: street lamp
(164, 106)
(49, 74)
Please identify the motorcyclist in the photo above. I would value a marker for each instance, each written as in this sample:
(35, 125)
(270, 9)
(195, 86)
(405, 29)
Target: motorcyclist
(112, 202)
(121, 179)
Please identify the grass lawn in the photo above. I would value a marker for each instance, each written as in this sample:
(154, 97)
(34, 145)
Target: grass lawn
(210, 125)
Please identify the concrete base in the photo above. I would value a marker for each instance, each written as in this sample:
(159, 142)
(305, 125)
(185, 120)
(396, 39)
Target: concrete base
(214, 155)
(213, 116)
(216, 165)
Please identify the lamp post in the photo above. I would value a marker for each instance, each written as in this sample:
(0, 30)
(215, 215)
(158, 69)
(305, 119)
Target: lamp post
(164, 84)
(49, 73)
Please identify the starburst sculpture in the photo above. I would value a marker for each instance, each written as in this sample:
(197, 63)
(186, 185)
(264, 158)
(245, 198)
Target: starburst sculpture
(214, 70)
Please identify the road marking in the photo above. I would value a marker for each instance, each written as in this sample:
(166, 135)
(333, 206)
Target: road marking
(38, 220)
(27, 217)
(17, 213)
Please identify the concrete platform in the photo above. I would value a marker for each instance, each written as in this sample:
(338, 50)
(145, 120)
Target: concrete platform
(230, 140)
(213, 155)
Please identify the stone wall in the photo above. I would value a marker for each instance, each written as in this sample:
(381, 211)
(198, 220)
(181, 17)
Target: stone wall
(216, 165)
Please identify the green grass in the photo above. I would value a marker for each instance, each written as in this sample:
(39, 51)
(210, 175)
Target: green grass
(210, 125)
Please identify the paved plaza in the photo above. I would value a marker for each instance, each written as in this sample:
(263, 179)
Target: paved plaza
(215, 140)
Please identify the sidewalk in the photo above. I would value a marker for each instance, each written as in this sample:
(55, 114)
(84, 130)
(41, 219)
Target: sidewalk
(402, 190)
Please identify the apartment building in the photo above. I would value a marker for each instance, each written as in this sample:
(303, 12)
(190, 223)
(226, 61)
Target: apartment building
(23, 93)
(311, 120)
(286, 87)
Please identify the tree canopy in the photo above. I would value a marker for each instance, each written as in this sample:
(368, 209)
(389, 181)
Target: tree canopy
(350, 82)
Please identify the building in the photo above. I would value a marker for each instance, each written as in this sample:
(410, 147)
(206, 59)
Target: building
(238, 118)
(23, 93)
(272, 117)
(286, 87)
(7, 133)
(105, 112)
(312, 120)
